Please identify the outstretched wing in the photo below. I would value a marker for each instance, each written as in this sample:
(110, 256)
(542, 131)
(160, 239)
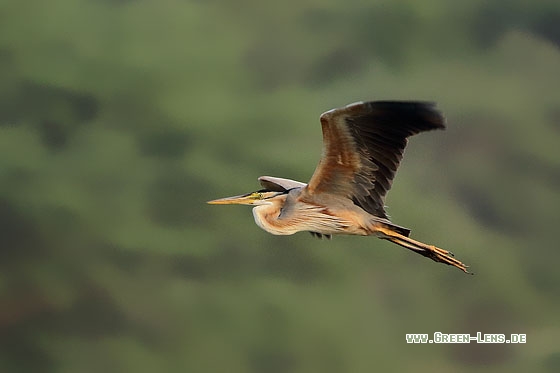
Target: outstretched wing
(277, 184)
(363, 144)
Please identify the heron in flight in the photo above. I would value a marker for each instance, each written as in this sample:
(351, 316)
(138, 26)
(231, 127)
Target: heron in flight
(363, 144)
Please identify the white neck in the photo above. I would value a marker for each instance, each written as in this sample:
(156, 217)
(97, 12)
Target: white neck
(266, 217)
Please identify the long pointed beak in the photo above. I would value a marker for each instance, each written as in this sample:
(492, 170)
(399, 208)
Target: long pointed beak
(235, 200)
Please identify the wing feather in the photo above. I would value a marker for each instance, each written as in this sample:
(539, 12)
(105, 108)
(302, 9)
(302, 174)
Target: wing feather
(363, 144)
(277, 184)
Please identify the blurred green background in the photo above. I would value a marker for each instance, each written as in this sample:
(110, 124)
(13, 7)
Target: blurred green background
(120, 118)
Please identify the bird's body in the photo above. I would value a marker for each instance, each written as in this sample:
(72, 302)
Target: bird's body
(290, 213)
(363, 144)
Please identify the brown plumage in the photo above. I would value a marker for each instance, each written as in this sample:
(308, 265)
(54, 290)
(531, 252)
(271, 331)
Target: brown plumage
(363, 144)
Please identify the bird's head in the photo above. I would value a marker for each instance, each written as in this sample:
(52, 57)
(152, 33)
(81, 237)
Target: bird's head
(261, 197)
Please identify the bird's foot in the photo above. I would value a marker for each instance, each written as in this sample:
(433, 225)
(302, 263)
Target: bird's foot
(444, 256)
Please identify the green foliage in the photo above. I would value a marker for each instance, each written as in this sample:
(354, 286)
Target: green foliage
(119, 119)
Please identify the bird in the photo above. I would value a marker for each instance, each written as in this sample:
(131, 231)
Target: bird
(363, 145)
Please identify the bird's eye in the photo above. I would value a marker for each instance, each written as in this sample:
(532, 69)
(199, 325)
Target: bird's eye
(256, 195)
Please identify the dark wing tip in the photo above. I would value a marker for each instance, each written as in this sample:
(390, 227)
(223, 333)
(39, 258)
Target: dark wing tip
(424, 113)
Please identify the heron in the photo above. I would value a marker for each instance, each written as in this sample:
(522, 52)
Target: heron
(363, 145)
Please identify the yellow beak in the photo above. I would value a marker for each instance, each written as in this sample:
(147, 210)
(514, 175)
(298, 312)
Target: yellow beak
(244, 199)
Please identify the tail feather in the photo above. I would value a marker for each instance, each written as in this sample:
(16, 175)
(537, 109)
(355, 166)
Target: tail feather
(400, 230)
(375, 221)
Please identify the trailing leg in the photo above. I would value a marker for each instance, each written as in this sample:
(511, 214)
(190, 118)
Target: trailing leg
(429, 251)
